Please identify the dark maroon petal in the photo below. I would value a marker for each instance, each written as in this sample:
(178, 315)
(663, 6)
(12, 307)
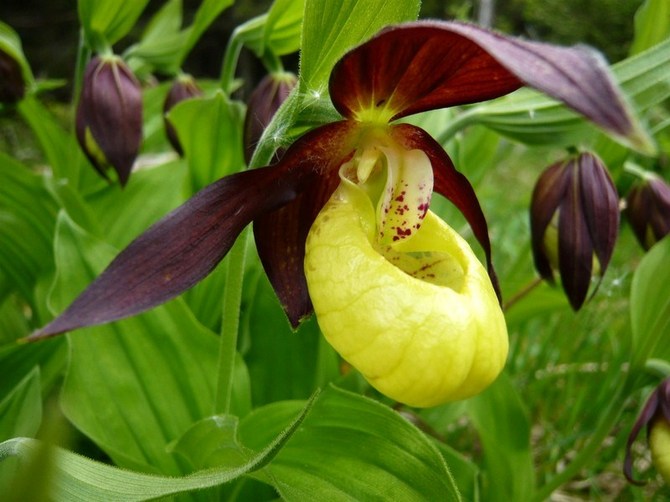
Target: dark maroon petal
(664, 398)
(575, 249)
(183, 88)
(110, 107)
(659, 219)
(600, 202)
(646, 415)
(416, 67)
(280, 235)
(431, 64)
(180, 249)
(12, 83)
(547, 194)
(639, 212)
(451, 184)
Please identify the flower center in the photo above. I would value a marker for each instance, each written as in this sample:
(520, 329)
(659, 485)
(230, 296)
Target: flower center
(399, 183)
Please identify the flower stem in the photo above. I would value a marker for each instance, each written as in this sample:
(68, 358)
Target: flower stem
(232, 54)
(232, 300)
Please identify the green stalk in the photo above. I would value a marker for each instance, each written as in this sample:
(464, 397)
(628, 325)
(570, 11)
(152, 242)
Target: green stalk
(233, 49)
(458, 123)
(232, 300)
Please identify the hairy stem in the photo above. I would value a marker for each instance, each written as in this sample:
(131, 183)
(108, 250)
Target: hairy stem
(232, 300)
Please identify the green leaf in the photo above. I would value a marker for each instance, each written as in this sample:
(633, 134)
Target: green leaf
(210, 132)
(503, 426)
(652, 25)
(21, 409)
(59, 147)
(136, 385)
(208, 11)
(125, 212)
(77, 478)
(107, 21)
(163, 40)
(269, 345)
(27, 219)
(332, 28)
(283, 26)
(650, 306)
(350, 448)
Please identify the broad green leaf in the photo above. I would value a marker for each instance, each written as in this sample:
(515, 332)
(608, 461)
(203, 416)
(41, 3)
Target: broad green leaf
(163, 40)
(465, 472)
(125, 212)
(136, 385)
(652, 25)
(209, 131)
(27, 219)
(208, 11)
(350, 448)
(21, 409)
(107, 21)
(17, 361)
(282, 364)
(283, 26)
(20, 415)
(532, 118)
(77, 478)
(10, 43)
(59, 147)
(332, 28)
(13, 322)
(650, 306)
(503, 426)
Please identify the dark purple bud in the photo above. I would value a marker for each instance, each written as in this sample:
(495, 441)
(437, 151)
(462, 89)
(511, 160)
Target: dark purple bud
(12, 84)
(574, 220)
(184, 87)
(109, 116)
(648, 210)
(655, 416)
(264, 102)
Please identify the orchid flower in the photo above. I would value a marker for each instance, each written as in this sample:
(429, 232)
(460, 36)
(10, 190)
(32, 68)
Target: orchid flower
(396, 291)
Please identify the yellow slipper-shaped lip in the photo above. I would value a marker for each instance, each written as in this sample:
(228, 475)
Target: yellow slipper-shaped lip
(418, 339)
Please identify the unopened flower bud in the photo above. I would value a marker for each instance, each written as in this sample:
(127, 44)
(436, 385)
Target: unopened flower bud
(109, 116)
(12, 84)
(648, 210)
(655, 415)
(184, 87)
(264, 102)
(574, 219)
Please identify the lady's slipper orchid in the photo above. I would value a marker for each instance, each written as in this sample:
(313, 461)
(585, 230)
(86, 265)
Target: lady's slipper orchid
(109, 116)
(184, 87)
(649, 210)
(574, 218)
(656, 417)
(398, 293)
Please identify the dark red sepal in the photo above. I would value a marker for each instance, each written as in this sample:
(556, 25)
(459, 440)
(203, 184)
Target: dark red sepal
(451, 184)
(657, 407)
(179, 250)
(546, 198)
(426, 65)
(110, 108)
(280, 235)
